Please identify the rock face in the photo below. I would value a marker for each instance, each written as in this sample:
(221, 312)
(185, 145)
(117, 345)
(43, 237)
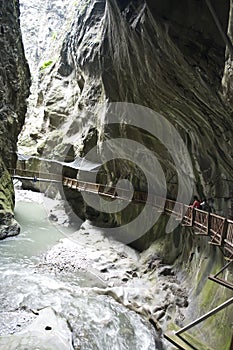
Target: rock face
(44, 25)
(14, 89)
(41, 38)
(227, 77)
(143, 53)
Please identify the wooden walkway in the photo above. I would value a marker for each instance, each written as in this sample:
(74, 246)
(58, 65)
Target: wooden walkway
(217, 228)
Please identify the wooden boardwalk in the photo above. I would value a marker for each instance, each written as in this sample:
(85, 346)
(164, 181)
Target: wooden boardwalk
(217, 228)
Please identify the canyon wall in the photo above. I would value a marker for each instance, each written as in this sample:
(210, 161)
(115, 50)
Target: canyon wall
(148, 55)
(14, 89)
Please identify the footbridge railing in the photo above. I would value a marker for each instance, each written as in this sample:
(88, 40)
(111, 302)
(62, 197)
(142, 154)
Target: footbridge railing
(218, 228)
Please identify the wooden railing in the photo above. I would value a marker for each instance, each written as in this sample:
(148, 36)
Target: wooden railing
(188, 215)
(218, 228)
(201, 221)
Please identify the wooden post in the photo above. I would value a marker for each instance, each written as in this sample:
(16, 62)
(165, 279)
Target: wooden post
(224, 230)
(192, 216)
(208, 224)
(181, 211)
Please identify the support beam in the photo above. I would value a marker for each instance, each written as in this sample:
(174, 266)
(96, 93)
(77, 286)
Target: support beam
(172, 341)
(224, 267)
(204, 317)
(221, 281)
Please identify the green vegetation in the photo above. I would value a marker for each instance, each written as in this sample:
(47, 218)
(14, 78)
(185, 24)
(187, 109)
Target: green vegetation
(54, 36)
(46, 64)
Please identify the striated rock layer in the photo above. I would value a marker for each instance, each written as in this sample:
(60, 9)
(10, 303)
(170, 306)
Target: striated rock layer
(14, 89)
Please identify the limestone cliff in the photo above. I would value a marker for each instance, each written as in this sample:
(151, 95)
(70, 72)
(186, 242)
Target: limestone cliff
(14, 89)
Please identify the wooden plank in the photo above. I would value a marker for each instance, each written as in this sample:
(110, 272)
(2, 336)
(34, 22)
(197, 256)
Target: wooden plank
(229, 243)
(215, 243)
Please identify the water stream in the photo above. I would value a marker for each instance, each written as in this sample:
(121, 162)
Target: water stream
(96, 321)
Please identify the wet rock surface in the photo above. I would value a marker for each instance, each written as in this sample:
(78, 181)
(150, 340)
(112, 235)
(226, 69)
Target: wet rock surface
(14, 80)
(9, 227)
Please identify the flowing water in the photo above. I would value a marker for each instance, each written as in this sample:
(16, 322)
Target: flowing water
(97, 321)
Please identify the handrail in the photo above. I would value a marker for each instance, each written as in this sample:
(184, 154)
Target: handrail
(35, 174)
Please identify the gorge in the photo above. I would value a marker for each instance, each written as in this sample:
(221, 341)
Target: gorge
(143, 88)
